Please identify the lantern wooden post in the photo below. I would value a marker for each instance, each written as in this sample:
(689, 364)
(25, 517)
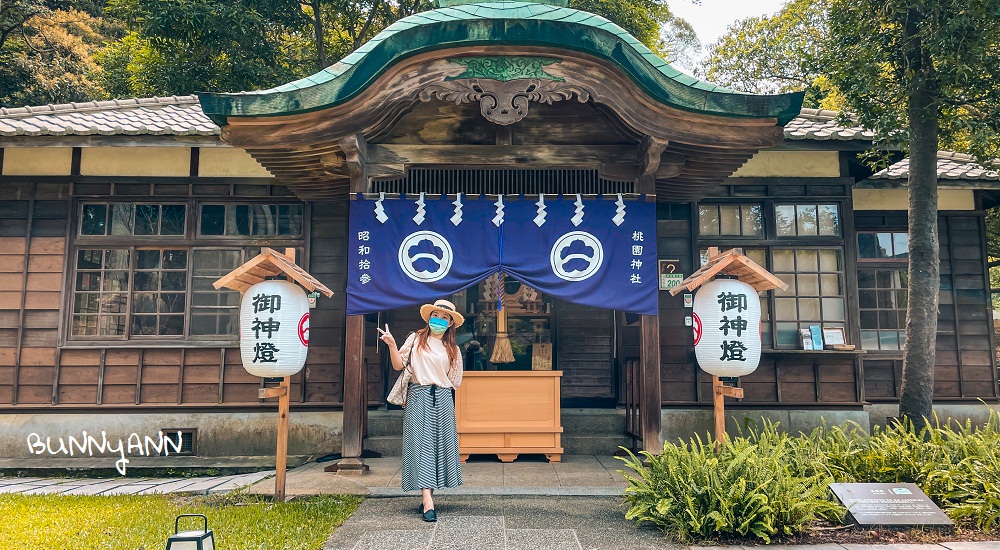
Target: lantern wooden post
(734, 264)
(270, 263)
(720, 392)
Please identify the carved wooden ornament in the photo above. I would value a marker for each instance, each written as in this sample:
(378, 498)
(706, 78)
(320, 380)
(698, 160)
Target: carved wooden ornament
(503, 103)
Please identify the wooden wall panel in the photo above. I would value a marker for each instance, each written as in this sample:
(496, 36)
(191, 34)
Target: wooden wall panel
(583, 351)
(965, 363)
(680, 377)
(324, 372)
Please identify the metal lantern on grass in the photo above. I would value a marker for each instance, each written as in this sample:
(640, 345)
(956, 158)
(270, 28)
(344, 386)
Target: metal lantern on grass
(191, 540)
(274, 329)
(727, 328)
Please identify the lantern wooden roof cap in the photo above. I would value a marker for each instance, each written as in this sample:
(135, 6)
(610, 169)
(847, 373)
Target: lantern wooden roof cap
(269, 263)
(731, 262)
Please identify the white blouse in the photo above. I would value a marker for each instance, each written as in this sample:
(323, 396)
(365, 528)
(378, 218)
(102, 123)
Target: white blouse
(431, 366)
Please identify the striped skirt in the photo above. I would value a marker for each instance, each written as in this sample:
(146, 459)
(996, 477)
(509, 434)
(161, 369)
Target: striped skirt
(430, 442)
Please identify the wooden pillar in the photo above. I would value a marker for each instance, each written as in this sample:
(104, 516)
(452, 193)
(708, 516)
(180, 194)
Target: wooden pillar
(354, 405)
(650, 397)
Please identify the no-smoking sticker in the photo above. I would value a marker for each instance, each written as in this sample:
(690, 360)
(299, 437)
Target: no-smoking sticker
(304, 329)
(696, 325)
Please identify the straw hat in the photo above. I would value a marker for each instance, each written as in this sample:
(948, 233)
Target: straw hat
(443, 306)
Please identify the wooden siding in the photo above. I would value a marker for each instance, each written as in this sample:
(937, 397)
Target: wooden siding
(37, 370)
(32, 249)
(964, 361)
(328, 263)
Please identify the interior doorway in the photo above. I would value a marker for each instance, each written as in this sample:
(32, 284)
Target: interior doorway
(544, 333)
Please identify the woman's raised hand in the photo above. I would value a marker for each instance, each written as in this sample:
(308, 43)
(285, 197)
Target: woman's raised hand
(386, 336)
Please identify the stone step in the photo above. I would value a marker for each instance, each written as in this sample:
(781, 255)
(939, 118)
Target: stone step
(594, 445)
(385, 423)
(385, 445)
(591, 422)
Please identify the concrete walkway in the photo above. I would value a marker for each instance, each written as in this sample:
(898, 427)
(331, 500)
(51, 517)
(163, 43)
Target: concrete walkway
(529, 504)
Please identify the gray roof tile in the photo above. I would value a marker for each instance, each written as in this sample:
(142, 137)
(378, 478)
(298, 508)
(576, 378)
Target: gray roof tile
(175, 115)
(950, 166)
(816, 124)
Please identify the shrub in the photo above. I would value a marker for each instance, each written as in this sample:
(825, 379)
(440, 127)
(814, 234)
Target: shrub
(768, 483)
(749, 488)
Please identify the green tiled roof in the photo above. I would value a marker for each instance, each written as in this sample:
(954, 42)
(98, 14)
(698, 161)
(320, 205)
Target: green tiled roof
(497, 23)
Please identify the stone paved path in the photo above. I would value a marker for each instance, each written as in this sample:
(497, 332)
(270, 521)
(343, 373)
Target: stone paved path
(128, 485)
(533, 505)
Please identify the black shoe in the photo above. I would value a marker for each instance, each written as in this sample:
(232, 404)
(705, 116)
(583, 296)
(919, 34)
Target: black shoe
(430, 515)
(420, 509)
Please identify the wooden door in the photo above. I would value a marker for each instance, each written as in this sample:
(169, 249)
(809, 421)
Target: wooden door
(584, 338)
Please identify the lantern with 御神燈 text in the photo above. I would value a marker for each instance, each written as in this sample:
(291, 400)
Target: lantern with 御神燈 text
(727, 328)
(274, 329)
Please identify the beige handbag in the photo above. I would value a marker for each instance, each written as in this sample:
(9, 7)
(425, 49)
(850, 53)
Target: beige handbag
(397, 395)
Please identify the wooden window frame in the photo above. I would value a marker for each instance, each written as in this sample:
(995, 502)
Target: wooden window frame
(770, 240)
(190, 242)
(888, 260)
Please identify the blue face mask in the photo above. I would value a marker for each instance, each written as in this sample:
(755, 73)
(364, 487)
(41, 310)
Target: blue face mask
(437, 325)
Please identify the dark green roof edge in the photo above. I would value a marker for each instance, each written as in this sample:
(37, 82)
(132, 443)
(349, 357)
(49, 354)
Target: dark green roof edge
(496, 23)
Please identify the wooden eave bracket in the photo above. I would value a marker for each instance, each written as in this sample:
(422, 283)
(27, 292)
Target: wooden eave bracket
(269, 263)
(731, 262)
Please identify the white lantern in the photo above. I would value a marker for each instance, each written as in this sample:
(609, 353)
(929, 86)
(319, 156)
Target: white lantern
(727, 328)
(274, 329)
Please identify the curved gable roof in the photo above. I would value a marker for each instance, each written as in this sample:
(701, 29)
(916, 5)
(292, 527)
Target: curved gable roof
(493, 23)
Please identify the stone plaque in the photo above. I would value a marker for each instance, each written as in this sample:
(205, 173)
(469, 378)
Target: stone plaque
(889, 504)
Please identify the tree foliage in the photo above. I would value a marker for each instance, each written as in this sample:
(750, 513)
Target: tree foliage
(650, 21)
(73, 50)
(47, 54)
(920, 72)
(184, 46)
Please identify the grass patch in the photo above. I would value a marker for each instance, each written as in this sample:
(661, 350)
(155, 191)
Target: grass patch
(131, 522)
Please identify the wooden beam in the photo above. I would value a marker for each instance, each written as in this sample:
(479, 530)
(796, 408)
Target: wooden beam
(356, 152)
(354, 409)
(487, 155)
(281, 456)
(649, 154)
(650, 397)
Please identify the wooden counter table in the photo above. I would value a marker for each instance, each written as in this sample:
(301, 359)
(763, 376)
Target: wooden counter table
(508, 413)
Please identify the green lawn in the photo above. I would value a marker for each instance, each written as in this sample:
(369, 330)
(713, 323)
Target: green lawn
(134, 522)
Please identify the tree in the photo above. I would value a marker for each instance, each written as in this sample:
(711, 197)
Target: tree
(649, 21)
(184, 46)
(776, 54)
(47, 55)
(919, 72)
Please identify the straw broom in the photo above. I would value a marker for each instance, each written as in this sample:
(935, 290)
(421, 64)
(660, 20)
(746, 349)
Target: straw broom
(502, 352)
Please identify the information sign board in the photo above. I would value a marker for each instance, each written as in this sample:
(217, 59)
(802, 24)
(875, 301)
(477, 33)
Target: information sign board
(888, 504)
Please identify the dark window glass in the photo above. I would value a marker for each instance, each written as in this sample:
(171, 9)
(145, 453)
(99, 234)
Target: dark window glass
(246, 220)
(172, 217)
(147, 219)
(143, 220)
(882, 300)
(883, 246)
(213, 219)
(94, 220)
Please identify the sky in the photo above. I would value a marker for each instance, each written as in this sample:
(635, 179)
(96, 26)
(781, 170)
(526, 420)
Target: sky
(710, 18)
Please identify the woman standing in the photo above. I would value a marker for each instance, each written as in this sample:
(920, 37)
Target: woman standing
(430, 440)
